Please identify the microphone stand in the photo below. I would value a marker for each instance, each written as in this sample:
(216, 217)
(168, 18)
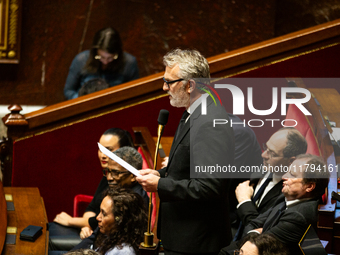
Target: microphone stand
(148, 246)
(148, 236)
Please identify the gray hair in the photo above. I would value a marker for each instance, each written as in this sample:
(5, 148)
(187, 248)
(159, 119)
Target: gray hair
(191, 63)
(130, 155)
(315, 171)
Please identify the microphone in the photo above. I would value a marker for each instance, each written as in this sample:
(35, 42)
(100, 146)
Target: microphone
(163, 117)
(162, 120)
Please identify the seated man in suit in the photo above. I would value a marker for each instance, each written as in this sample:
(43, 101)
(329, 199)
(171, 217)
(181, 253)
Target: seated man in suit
(280, 151)
(247, 153)
(297, 208)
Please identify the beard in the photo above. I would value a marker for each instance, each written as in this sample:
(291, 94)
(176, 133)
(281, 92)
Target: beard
(180, 98)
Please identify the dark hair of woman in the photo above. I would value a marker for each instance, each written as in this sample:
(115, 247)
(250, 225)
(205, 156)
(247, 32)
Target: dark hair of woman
(266, 244)
(124, 137)
(130, 221)
(106, 39)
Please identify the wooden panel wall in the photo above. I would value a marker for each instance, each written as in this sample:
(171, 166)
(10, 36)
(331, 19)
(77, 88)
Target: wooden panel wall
(54, 31)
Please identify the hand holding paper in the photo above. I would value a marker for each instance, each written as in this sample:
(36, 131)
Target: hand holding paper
(120, 161)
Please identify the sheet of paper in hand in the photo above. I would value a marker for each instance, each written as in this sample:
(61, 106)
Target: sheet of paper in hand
(120, 161)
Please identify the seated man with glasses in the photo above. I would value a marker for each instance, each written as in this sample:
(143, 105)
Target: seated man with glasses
(118, 176)
(256, 196)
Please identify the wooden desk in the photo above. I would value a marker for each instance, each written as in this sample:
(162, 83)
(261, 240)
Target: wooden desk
(329, 100)
(29, 210)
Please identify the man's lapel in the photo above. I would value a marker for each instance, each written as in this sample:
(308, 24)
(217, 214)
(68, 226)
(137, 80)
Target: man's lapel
(273, 192)
(186, 128)
(275, 216)
(180, 137)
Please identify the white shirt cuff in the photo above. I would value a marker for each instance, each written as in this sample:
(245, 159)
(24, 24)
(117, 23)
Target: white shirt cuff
(247, 200)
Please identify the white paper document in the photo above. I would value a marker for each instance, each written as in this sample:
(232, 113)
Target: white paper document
(120, 161)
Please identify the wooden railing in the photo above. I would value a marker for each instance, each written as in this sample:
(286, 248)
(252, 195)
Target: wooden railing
(276, 49)
(227, 64)
(232, 63)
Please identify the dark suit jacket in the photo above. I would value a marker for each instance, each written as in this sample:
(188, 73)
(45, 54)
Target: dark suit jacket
(248, 211)
(247, 153)
(292, 224)
(193, 214)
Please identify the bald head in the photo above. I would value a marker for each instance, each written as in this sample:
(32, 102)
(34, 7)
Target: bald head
(283, 146)
(296, 143)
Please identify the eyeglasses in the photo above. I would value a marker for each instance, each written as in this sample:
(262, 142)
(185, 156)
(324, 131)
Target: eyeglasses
(109, 59)
(170, 82)
(271, 154)
(113, 172)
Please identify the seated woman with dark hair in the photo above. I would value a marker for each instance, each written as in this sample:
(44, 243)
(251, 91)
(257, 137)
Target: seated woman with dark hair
(106, 59)
(121, 223)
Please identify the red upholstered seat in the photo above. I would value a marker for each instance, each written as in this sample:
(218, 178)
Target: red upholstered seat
(294, 113)
(80, 203)
(304, 127)
(313, 147)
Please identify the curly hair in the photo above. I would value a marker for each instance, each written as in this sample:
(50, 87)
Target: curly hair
(130, 155)
(130, 221)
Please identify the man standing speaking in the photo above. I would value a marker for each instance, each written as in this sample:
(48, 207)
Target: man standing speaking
(193, 214)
